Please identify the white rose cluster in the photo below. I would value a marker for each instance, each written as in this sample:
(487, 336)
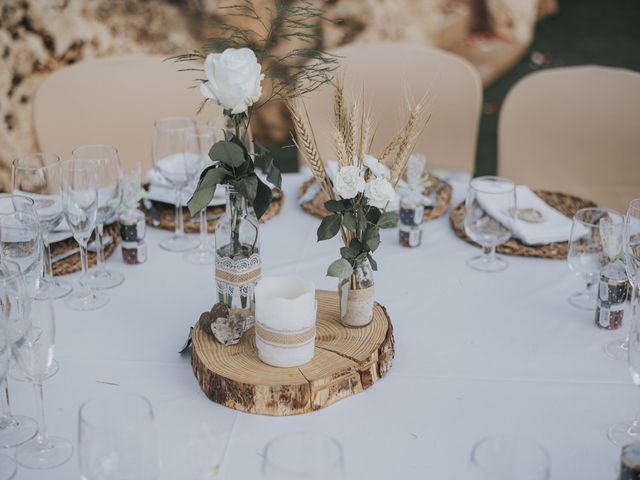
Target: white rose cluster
(350, 181)
(234, 79)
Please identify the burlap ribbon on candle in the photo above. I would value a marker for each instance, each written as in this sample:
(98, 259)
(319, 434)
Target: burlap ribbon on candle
(285, 337)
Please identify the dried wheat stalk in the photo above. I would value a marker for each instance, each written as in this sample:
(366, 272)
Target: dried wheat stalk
(340, 149)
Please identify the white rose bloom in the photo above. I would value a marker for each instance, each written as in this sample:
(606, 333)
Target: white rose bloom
(349, 181)
(376, 167)
(379, 192)
(234, 79)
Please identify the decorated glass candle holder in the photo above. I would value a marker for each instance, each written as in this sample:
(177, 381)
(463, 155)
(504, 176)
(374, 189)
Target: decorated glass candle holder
(285, 323)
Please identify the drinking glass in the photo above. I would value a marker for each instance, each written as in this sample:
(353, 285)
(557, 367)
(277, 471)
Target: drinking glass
(110, 187)
(508, 458)
(199, 141)
(14, 307)
(171, 161)
(303, 456)
(8, 467)
(35, 357)
(38, 176)
(20, 237)
(619, 348)
(117, 439)
(80, 206)
(586, 257)
(489, 219)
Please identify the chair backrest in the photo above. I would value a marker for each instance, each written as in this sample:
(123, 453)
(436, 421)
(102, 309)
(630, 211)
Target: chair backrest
(575, 130)
(388, 72)
(114, 100)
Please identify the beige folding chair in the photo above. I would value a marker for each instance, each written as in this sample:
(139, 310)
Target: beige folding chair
(387, 72)
(114, 100)
(574, 130)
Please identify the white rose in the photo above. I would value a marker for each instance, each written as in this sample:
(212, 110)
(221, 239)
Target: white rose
(349, 181)
(376, 167)
(234, 79)
(379, 192)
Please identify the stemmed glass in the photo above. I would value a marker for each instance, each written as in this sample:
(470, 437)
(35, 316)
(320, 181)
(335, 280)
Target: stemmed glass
(177, 168)
(619, 348)
(38, 176)
(508, 458)
(35, 357)
(117, 439)
(489, 219)
(303, 456)
(199, 141)
(8, 467)
(585, 256)
(110, 186)
(80, 206)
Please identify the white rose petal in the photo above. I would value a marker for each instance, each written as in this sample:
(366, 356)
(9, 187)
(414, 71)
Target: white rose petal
(379, 192)
(376, 167)
(349, 181)
(234, 79)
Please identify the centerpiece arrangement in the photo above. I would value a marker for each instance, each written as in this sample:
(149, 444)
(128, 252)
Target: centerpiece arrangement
(363, 187)
(237, 65)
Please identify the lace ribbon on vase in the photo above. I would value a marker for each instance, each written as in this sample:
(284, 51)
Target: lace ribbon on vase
(238, 275)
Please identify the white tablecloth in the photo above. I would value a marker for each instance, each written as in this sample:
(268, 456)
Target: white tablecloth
(476, 354)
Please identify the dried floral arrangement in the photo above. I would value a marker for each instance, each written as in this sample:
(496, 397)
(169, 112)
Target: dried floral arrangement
(364, 184)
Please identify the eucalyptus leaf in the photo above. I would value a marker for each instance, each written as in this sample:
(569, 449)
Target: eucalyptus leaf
(260, 147)
(187, 343)
(388, 220)
(228, 153)
(356, 245)
(341, 269)
(362, 220)
(329, 227)
(372, 238)
(247, 187)
(347, 253)
(273, 173)
(374, 264)
(373, 215)
(206, 188)
(335, 206)
(349, 221)
(262, 199)
(344, 297)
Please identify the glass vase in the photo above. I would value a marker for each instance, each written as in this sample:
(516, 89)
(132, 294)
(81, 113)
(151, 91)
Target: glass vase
(356, 296)
(238, 263)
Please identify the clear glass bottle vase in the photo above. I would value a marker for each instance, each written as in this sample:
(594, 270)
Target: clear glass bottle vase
(238, 263)
(356, 296)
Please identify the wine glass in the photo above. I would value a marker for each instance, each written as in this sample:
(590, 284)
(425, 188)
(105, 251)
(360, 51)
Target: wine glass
(110, 186)
(199, 141)
(35, 356)
(14, 306)
(303, 456)
(8, 467)
(117, 439)
(508, 458)
(586, 257)
(20, 237)
(619, 348)
(38, 176)
(489, 219)
(171, 161)
(80, 206)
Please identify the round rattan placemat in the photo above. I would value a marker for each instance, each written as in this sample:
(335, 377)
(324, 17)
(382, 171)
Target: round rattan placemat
(162, 215)
(71, 263)
(316, 208)
(564, 203)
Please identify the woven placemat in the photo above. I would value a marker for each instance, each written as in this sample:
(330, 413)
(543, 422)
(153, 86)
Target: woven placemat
(316, 208)
(564, 203)
(71, 263)
(162, 215)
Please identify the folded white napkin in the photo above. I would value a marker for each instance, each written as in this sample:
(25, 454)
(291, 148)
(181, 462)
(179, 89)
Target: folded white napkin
(555, 227)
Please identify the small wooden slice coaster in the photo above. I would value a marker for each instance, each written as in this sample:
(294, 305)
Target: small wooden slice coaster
(316, 208)
(162, 215)
(346, 362)
(564, 203)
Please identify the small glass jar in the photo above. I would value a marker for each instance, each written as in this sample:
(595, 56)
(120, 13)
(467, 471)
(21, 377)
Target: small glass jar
(132, 232)
(411, 219)
(356, 296)
(613, 287)
(630, 462)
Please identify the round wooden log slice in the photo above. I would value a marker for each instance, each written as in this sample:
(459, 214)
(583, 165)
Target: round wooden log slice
(346, 361)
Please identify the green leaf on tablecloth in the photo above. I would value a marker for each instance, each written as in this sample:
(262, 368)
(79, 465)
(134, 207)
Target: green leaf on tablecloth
(372, 262)
(341, 269)
(349, 221)
(187, 343)
(372, 238)
(206, 189)
(262, 199)
(388, 220)
(228, 153)
(335, 206)
(329, 227)
(247, 187)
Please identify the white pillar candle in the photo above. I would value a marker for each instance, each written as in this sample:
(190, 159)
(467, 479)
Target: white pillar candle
(285, 320)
